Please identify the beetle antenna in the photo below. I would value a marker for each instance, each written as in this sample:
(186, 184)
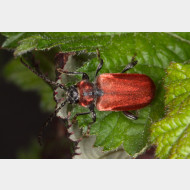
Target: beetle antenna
(100, 62)
(50, 118)
(43, 76)
(131, 64)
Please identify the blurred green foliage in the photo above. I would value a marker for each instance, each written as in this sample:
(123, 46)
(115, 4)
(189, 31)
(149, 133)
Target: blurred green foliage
(172, 134)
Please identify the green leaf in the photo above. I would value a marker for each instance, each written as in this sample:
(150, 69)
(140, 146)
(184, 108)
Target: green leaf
(67, 41)
(154, 52)
(18, 74)
(172, 134)
(85, 150)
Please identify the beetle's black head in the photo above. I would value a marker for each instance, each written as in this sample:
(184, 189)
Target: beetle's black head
(72, 95)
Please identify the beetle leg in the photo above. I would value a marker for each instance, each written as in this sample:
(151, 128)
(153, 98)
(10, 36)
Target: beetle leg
(101, 62)
(93, 115)
(94, 120)
(85, 113)
(91, 108)
(129, 115)
(130, 65)
(84, 75)
(78, 114)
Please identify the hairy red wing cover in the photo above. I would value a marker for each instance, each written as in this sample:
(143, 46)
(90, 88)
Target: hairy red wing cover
(124, 92)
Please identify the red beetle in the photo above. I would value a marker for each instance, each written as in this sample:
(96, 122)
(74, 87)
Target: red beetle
(109, 92)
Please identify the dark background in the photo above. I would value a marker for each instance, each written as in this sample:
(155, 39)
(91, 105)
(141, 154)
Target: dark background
(21, 120)
(17, 108)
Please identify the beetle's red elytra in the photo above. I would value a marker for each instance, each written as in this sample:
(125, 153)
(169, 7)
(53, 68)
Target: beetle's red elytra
(123, 92)
(109, 92)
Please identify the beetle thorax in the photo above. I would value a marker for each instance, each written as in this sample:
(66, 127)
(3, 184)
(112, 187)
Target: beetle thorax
(86, 93)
